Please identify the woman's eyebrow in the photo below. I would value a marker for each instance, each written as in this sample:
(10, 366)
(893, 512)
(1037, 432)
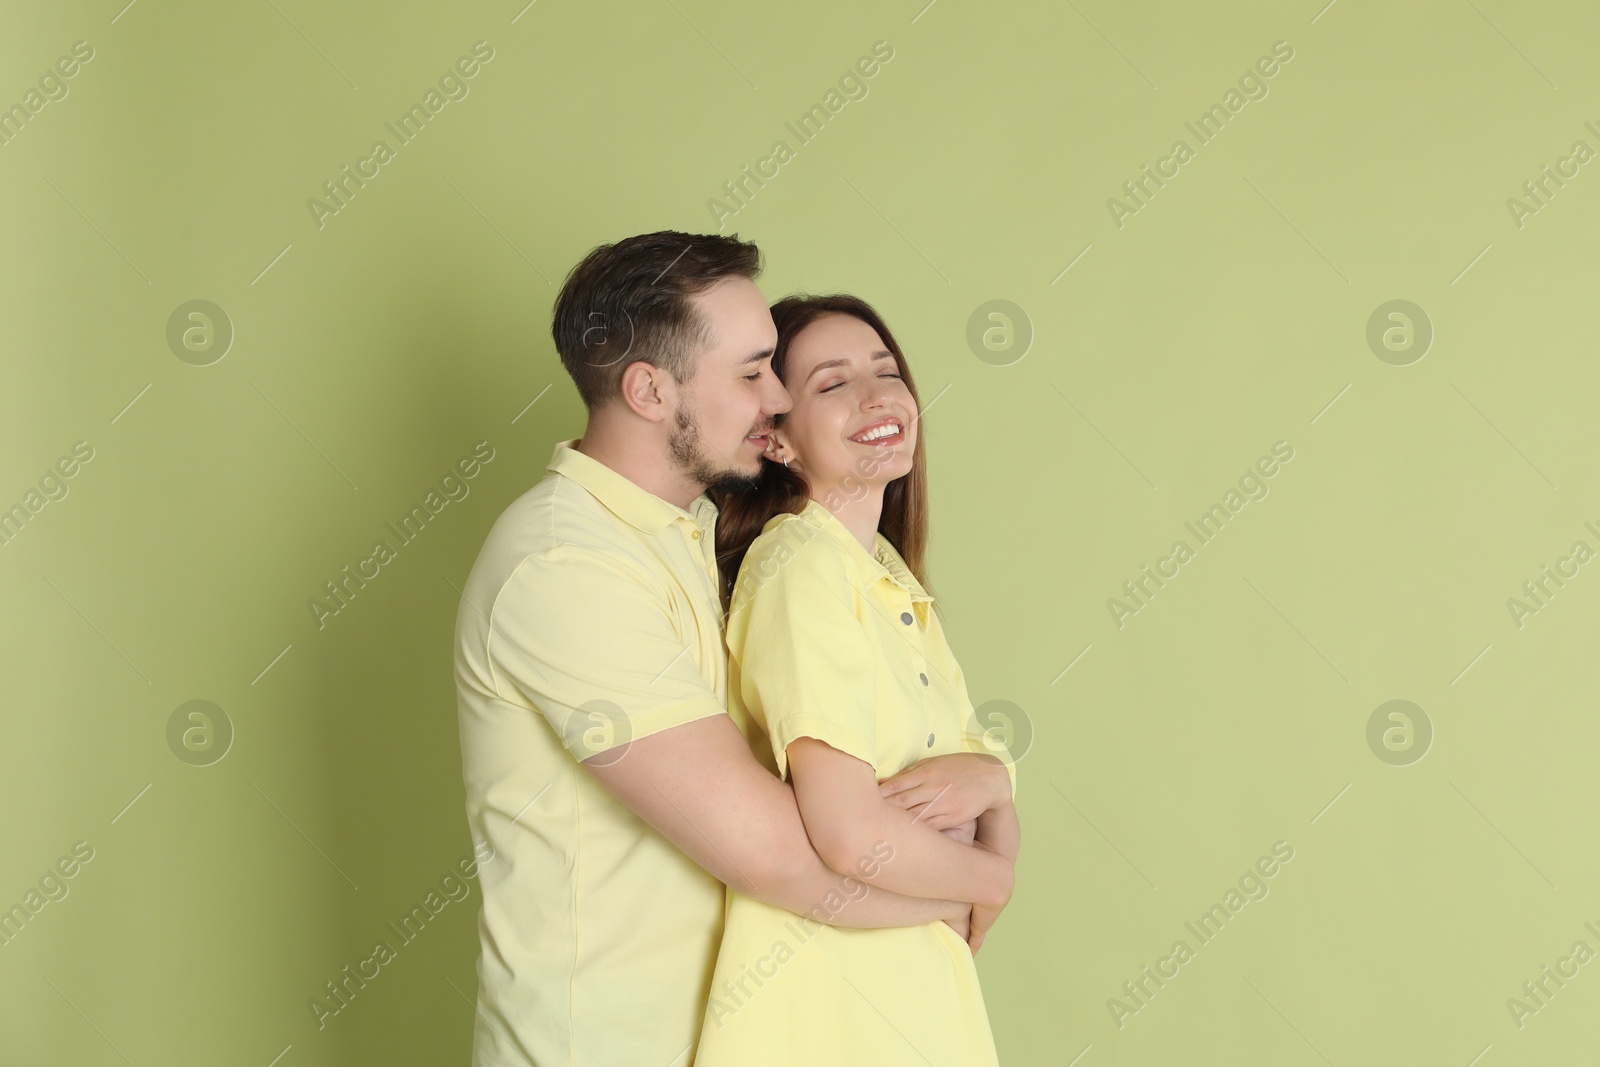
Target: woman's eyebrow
(825, 365)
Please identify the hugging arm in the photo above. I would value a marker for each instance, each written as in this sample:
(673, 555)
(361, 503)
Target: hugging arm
(687, 770)
(701, 788)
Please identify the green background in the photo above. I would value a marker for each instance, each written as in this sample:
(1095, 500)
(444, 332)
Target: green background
(1229, 313)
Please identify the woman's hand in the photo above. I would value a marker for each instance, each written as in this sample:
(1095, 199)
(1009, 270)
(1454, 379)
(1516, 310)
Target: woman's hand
(946, 791)
(964, 833)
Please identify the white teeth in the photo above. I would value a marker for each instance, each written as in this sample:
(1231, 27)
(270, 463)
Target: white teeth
(883, 431)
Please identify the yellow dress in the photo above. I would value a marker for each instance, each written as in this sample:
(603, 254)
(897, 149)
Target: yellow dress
(829, 641)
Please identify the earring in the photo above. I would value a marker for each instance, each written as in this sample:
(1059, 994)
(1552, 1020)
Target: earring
(785, 461)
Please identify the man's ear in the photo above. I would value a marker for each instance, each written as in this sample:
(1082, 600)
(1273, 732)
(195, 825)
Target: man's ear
(648, 391)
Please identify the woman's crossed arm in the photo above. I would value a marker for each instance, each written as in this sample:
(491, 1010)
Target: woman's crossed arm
(859, 832)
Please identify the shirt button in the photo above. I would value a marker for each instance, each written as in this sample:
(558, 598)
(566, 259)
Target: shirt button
(695, 535)
(930, 740)
(905, 617)
(924, 678)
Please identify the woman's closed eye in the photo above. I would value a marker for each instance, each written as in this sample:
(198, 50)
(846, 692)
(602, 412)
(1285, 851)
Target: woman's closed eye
(835, 385)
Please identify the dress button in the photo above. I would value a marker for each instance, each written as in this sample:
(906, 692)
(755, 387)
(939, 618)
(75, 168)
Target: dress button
(930, 740)
(905, 617)
(924, 678)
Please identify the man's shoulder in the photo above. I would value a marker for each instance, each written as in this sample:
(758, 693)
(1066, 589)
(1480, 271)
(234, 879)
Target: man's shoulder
(554, 513)
(551, 552)
(556, 524)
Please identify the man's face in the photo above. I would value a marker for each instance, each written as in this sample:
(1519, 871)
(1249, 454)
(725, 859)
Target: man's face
(727, 406)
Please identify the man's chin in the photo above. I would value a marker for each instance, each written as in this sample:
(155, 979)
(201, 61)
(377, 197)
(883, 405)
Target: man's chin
(735, 481)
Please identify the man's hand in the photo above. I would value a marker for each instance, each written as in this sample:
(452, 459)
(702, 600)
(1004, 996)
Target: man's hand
(948, 790)
(984, 916)
(982, 919)
(998, 831)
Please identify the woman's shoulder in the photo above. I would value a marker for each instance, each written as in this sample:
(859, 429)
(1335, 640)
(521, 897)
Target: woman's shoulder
(794, 547)
(795, 529)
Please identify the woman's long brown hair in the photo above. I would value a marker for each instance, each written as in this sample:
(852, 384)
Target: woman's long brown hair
(741, 515)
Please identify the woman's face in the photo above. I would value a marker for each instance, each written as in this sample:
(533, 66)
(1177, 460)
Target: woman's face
(854, 420)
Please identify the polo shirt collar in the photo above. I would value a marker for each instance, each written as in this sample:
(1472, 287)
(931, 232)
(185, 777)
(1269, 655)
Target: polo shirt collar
(628, 501)
(883, 562)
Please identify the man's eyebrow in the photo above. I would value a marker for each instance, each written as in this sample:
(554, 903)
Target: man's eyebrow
(882, 353)
(756, 357)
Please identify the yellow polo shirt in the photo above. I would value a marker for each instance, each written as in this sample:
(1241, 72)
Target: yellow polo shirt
(590, 617)
(827, 640)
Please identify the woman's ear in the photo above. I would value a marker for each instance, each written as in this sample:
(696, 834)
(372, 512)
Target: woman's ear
(777, 448)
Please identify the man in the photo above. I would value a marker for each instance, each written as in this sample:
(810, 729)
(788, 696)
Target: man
(599, 759)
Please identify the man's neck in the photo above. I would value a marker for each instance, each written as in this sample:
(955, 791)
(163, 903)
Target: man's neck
(640, 458)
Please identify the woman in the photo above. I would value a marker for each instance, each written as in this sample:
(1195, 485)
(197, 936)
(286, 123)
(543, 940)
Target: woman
(839, 671)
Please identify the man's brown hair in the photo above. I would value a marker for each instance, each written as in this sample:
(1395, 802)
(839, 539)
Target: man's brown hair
(628, 302)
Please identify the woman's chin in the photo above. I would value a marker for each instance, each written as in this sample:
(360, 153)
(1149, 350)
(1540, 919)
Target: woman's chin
(874, 476)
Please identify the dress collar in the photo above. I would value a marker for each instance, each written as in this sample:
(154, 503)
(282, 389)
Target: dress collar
(882, 562)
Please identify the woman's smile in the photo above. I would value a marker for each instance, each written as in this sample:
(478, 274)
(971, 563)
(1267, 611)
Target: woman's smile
(889, 431)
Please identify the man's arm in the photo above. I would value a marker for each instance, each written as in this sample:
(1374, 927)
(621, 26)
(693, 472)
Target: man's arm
(700, 787)
(687, 770)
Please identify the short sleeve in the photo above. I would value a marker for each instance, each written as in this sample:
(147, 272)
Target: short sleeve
(589, 641)
(805, 664)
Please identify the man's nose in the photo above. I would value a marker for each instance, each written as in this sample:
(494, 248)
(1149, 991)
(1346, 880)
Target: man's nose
(778, 399)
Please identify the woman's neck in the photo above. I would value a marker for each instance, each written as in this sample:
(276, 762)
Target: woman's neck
(860, 515)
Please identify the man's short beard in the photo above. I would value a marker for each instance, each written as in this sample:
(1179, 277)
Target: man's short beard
(684, 445)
